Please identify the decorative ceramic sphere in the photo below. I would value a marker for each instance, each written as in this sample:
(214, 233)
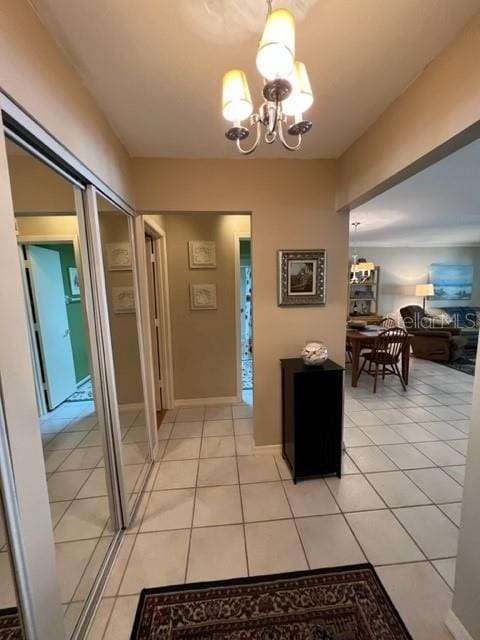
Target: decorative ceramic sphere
(314, 353)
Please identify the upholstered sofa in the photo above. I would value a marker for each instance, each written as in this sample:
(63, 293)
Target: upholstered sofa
(433, 338)
(467, 319)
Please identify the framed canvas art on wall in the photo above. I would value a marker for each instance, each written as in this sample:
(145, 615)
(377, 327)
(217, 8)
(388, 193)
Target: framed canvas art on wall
(301, 277)
(451, 281)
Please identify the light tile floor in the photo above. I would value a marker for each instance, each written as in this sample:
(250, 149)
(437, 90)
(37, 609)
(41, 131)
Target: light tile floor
(77, 491)
(213, 509)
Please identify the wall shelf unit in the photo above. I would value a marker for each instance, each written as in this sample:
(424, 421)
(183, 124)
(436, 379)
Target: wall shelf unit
(363, 296)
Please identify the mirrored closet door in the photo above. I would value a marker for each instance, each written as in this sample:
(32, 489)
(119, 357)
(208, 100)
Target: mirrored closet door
(71, 407)
(117, 255)
(10, 618)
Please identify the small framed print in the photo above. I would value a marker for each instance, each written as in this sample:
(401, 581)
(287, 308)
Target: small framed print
(119, 256)
(203, 296)
(123, 300)
(202, 254)
(301, 277)
(74, 282)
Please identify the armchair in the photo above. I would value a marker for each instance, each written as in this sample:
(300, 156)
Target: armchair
(432, 340)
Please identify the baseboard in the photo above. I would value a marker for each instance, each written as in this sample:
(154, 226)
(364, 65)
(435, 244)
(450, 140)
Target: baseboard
(456, 628)
(189, 402)
(269, 449)
(83, 381)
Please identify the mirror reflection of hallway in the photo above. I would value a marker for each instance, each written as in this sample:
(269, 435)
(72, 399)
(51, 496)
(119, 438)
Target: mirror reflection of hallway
(71, 428)
(117, 246)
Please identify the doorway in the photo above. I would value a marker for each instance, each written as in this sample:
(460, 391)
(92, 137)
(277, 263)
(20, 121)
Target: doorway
(246, 324)
(159, 316)
(154, 312)
(56, 322)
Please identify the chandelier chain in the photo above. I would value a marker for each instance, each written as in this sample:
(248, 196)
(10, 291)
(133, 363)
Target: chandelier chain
(269, 7)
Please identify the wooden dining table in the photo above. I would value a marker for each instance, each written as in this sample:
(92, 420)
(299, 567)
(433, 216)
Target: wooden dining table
(363, 339)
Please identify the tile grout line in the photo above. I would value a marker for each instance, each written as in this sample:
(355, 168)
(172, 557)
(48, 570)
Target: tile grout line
(348, 523)
(293, 514)
(194, 504)
(244, 529)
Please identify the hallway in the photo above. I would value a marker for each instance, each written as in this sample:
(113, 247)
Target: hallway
(214, 510)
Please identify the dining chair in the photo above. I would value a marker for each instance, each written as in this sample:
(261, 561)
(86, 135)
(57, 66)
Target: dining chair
(348, 351)
(388, 323)
(385, 355)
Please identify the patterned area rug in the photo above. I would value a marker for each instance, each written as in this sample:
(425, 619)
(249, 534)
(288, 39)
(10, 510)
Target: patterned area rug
(466, 363)
(10, 625)
(344, 603)
(84, 393)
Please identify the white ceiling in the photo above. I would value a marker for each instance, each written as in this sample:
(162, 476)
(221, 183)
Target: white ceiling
(437, 207)
(155, 66)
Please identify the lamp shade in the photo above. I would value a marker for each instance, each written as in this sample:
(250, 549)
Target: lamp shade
(424, 290)
(301, 98)
(276, 53)
(363, 266)
(236, 98)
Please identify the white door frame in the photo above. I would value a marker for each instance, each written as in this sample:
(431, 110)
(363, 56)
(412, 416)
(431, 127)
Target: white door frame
(151, 228)
(239, 235)
(45, 239)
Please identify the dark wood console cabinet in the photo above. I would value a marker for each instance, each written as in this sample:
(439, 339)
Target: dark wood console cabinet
(312, 418)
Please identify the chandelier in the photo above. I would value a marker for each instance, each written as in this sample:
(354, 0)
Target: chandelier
(287, 91)
(361, 269)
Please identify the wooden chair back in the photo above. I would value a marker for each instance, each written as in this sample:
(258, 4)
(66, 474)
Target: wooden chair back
(388, 323)
(391, 342)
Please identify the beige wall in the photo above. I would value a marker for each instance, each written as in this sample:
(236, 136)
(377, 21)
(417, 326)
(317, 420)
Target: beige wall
(35, 72)
(47, 225)
(37, 188)
(293, 207)
(441, 103)
(204, 342)
(401, 268)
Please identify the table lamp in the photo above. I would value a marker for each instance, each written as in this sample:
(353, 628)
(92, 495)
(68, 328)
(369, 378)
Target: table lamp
(424, 290)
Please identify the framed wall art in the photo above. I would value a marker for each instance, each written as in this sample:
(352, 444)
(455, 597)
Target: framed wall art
(202, 254)
(301, 277)
(119, 256)
(123, 300)
(74, 282)
(203, 296)
(452, 281)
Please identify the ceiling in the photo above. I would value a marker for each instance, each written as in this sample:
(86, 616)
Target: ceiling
(155, 66)
(437, 207)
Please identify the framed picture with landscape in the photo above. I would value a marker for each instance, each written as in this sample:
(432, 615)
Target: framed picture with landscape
(451, 281)
(301, 278)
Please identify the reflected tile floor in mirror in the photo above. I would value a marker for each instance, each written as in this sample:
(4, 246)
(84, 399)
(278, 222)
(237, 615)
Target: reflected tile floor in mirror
(77, 490)
(213, 509)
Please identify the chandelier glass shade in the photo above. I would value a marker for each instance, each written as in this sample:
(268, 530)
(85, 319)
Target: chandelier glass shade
(237, 101)
(276, 53)
(287, 92)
